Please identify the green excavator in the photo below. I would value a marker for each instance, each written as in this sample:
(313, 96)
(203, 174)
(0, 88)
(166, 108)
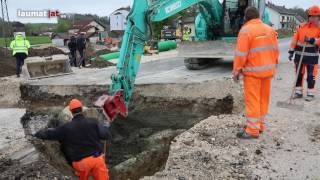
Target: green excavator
(216, 24)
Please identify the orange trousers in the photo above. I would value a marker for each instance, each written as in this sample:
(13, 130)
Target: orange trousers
(257, 98)
(91, 166)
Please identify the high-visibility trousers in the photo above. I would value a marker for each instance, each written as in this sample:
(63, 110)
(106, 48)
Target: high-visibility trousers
(257, 98)
(91, 166)
(312, 73)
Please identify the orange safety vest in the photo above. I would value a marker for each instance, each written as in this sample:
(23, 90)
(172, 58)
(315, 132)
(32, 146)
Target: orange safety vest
(311, 54)
(257, 50)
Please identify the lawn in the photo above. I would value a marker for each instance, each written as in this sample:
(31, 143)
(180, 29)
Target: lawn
(34, 40)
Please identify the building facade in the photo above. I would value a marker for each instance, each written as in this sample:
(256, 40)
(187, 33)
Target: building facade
(118, 19)
(281, 17)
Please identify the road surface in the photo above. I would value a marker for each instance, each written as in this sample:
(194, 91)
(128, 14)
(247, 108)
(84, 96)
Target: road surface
(163, 70)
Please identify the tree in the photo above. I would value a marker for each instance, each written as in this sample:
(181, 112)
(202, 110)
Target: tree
(300, 11)
(63, 25)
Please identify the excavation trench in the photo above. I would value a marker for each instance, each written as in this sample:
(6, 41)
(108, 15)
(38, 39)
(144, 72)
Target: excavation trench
(140, 143)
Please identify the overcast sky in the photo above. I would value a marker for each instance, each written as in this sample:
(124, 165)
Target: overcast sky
(99, 7)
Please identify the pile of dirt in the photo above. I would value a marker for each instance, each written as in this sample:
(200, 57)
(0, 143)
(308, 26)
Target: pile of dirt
(100, 63)
(11, 169)
(210, 150)
(7, 63)
(45, 51)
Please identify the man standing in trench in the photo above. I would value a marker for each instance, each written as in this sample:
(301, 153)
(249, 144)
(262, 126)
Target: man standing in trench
(256, 58)
(81, 143)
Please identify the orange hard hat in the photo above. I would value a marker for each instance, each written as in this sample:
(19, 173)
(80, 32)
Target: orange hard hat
(314, 11)
(74, 104)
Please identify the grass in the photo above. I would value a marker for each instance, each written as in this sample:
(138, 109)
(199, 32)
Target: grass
(34, 40)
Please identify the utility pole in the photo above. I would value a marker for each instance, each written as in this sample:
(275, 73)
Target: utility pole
(5, 23)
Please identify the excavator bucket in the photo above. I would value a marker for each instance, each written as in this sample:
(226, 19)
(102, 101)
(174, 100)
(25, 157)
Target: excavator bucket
(44, 67)
(112, 106)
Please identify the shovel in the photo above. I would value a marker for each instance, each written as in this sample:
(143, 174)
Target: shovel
(290, 104)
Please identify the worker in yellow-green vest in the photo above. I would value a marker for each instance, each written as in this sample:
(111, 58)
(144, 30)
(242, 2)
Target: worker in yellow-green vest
(186, 34)
(20, 48)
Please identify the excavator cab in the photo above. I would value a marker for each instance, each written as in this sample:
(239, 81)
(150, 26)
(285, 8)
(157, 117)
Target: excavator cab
(198, 55)
(234, 11)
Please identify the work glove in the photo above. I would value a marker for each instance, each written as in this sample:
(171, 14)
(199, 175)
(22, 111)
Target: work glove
(291, 52)
(310, 40)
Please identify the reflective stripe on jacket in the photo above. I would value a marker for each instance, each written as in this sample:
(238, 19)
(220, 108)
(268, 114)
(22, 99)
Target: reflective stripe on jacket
(311, 54)
(20, 45)
(257, 50)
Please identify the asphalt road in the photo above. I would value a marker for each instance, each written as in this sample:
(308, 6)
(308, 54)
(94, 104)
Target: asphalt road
(162, 70)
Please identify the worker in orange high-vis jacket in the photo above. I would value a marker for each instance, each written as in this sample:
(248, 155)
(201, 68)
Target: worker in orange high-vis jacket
(308, 35)
(81, 143)
(256, 58)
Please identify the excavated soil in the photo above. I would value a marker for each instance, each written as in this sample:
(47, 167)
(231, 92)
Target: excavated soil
(7, 64)
(289, 149)
(11, 169)
(141, 142)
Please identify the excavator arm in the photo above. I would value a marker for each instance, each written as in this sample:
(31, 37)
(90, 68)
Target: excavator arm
(137, 32)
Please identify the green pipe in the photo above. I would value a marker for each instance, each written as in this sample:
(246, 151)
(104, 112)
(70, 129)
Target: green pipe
(110, 56)
(166, 45)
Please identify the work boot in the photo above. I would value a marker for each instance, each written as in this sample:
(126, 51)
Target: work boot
(310, 98)
(297, 96)
(18, 75)
(245, 135)
(262, 126)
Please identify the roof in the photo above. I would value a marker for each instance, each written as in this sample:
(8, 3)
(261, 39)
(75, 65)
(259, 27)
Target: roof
(82, 23)
(280, 9)
(61, 35)
(86, 28)
(124, 8)
(300, 18)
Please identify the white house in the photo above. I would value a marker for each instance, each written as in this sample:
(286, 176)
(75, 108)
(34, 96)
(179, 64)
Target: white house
(87, 26)
(281, 17)
(118, 19)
